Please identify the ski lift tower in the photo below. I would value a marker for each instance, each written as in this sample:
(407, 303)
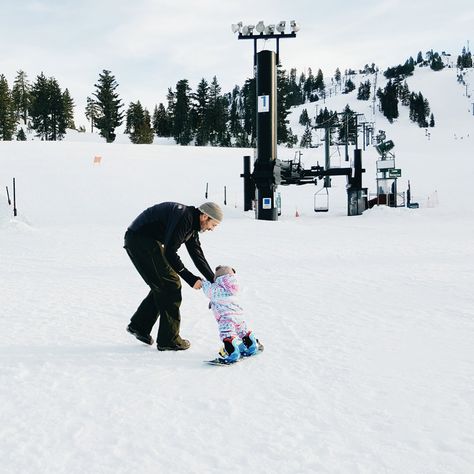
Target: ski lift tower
(266, 173)
(387, 174)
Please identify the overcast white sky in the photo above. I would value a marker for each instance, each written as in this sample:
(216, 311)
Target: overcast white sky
(151, 44)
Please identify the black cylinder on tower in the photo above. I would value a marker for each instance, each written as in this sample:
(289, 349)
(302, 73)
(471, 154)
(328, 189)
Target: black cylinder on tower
(264, 174)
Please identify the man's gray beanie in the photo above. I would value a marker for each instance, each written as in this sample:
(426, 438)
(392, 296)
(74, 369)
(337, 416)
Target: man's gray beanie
(212, 210)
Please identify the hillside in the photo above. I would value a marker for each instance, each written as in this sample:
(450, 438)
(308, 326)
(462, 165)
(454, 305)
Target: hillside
(416, 148)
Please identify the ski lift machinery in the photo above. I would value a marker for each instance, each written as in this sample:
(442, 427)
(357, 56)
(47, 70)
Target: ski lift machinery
(293, 172)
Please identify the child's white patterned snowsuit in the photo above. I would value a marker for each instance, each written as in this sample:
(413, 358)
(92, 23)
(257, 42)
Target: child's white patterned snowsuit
(227, 311)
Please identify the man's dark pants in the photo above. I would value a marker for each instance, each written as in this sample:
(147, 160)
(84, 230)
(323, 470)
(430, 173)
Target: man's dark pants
(164, 298)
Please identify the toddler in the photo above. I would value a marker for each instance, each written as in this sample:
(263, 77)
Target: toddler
(233, 331)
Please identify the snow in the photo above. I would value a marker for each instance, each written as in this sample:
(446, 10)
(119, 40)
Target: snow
(367, 321)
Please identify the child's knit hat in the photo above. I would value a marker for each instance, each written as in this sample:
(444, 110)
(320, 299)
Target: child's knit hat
(224, 270)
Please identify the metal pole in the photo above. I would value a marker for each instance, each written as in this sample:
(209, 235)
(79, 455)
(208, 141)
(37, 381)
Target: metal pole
(207, 189)
(264, 173)
(8, 197)
(327, 143)
(278, 51)
(225, 195)
(357, 131)
(347, 137)
(254, 55)
(14, 198)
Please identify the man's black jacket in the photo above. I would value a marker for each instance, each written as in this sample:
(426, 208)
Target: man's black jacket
(173, 224)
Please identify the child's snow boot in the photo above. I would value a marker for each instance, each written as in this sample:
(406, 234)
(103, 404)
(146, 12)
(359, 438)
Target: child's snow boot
(249, 345)
(230, 352)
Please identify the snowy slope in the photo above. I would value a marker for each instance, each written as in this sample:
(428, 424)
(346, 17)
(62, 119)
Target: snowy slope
(416, 152)
(367, 321)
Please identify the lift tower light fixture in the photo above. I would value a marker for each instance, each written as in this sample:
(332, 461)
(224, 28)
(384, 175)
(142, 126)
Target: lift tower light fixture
(281, 27)
(270, 30)
(237, 27)
(294, 26)
(247, 30)
(260, 27)
(262, 31)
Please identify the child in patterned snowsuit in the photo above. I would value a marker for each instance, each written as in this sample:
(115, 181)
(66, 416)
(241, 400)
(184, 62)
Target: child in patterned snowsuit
(233, 329)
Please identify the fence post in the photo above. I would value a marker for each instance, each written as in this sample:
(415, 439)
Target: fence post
(14, 198)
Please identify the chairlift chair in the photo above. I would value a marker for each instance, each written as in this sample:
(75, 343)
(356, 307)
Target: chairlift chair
(321, 200)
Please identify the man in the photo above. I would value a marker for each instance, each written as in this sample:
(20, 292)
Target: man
(152, 242)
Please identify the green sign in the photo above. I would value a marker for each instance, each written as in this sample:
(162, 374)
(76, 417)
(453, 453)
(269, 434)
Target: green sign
(395, 173)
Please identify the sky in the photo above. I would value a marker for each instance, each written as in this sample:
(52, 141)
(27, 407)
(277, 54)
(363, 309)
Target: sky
(149, 45)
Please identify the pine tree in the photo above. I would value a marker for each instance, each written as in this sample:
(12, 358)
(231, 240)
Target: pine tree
(147, 135)
(389, 100)
(294, 94)
(436, 63)
(47, 109)
(68, 105)
(138, 124)
(7, 111)
(110, 117)
(58, 119)
(432, 120)
(337, 75)
(200, 113)
(364, 91)
(319, 81)
(350, 86)
(283, 109)
(239, 136)
(427, 111)
(249, 109)
(419, 109)
(235, 113)
(301, 83)
(404, 94)
(465, 59)
(40, 108)
(304, 118)
(182, 132)
(292, 139)
(307, 138)
(348, 127)
(309, 86)
(161, 121)
(21, 96)
(369, 69)
(326, 117)
(218, 115)
(21, 136)
(92, 112)
(401, 71)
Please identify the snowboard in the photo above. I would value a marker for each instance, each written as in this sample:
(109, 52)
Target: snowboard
(222, 362)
